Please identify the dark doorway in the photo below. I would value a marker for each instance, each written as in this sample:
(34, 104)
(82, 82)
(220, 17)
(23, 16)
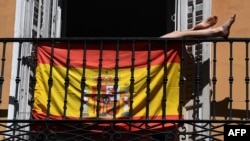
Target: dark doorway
(117, 18)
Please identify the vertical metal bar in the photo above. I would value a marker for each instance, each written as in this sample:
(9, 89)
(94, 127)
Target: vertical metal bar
(33, 69)
(165, 81)
(247, 80)
(182, 79)
(66, 84)
(197, 81)
(214, 81)
(132, 81)
(83, 81)
(231, 79)
(19, 59)
(99, 82)
(16, 104)
(148, 80)
(50, 80)
(116, 79)
(2, 71)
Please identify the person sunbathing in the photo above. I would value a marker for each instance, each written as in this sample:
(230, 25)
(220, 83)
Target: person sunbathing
(203, 29)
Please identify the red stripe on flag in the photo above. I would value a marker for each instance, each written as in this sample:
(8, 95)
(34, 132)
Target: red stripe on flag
(109, 54)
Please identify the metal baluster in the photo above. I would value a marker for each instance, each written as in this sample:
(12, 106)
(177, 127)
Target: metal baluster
(214, 81)
(66, 84)
(2, 71)
(231, 79)
(99, 82)
(132, 81)
(197, 81)
(19, 59)
(247, 81)
(182, 79)
(50, 80)
(83, 80)
(33, 77)
(16, 104)
(165, 81)
(148, 80)
(116, 79)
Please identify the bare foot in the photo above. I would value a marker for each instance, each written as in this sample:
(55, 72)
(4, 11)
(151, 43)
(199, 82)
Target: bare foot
(225, 28)
(208, 22)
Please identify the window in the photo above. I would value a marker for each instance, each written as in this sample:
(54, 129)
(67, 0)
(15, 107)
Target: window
(112, 18)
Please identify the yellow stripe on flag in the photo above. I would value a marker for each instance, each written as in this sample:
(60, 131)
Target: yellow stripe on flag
(123, 97)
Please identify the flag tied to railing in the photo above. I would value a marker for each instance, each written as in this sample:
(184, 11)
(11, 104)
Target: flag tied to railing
(107, 70)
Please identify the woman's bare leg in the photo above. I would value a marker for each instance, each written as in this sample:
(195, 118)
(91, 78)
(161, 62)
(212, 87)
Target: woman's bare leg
(208, 22)
(222, 31)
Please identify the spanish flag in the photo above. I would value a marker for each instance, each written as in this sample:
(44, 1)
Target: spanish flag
(107, 80)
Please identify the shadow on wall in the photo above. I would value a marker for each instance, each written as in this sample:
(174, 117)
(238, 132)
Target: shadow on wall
(222, 109)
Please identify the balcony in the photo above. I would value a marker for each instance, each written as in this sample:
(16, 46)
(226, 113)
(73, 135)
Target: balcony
(119, 89)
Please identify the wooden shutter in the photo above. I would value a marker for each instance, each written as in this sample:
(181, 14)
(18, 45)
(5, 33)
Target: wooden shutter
(46, 18)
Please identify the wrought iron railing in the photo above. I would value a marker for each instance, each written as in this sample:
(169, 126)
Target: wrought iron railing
(19, 124)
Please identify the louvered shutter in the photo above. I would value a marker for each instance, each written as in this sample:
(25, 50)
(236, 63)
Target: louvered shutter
(34, 18)
(46, 18)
